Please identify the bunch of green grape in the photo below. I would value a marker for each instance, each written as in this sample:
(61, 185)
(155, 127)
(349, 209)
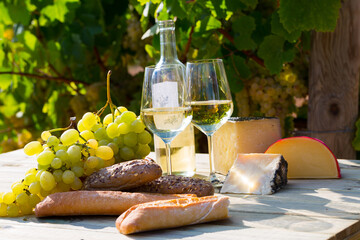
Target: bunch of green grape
(275, 96)
(63, 163)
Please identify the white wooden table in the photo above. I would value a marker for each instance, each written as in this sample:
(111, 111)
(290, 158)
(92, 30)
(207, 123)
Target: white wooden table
(305, 209)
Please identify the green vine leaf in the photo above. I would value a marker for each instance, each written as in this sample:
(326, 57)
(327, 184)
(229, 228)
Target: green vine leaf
(278, 29)
(305, 15)
(61, 9)
(273, 53)
(244, 26)
(207, 24)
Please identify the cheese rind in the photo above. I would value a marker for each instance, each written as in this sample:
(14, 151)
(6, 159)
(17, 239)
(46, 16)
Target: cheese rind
(307, 157)
(256, 174)
(243, 135)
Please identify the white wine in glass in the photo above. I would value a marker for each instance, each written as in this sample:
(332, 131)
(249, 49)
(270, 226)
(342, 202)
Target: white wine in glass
(165, 106)
(211, 102)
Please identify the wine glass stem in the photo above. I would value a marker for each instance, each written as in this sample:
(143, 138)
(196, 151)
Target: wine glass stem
(168, 158)
(211, 155)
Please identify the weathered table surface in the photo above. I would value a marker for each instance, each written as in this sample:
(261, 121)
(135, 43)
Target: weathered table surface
(305, 209)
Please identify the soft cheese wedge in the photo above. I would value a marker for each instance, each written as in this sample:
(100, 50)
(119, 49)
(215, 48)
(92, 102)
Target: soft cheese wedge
(243, 135)
(256, 173)
(307, 157)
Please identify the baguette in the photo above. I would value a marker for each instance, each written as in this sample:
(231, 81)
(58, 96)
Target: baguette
(172, 213)
(96, 202)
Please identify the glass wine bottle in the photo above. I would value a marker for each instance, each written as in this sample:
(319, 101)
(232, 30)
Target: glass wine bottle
(183, 145)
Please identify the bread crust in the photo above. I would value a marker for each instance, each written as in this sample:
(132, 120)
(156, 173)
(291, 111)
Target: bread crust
(172, 213)
(177, 185)
(95, 202)
(123, 175)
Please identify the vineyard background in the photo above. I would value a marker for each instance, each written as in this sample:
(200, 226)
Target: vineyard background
(54, 56)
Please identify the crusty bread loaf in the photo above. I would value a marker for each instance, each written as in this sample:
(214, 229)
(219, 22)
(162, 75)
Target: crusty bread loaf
(96, 202)
(177, 185)
(172, 213)
(123, 175)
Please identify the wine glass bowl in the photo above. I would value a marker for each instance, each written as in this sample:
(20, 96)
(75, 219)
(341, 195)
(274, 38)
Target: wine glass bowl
(165, 105)
(211, 101)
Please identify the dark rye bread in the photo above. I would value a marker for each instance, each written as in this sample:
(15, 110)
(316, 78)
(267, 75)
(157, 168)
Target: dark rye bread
(177, 184)
(123, 176)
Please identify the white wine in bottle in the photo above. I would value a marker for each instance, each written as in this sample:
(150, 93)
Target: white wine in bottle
(182, 153)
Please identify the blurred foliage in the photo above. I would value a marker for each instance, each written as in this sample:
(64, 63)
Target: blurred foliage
(54, 54)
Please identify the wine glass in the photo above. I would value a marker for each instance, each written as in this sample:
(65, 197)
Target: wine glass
(165, 104)
(211, 101)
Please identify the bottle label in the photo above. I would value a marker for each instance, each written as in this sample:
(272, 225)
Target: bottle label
(165, 94)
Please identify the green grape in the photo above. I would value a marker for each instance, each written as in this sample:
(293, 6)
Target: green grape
(143, 150)
(119, 141)
(68, 176)
(126, 153)
(104, 152)
(47, 181)
(103, 142)
(43, 167)
(69, 137)
(33, 200)
(100, 134)
(77, 184)
(144, 137)
(92, 162)
(3, 208)
(1, 197)
(38, 174)
(25, 209)
(127, 117)
(45, 135)
(44, 193)
(108, 119)
(124, 128)
(52, 141)
(112, 130)
(22, 198)
(12, 210)
(45, 158)
(114, 147)
(120, 110)
(31, 170)
(78, 171)
(109, 162)
(62, 154)
(137, 126)
(88, 120)
(60, 147)
(80, 126)
(33, 148)
(58, 175)
(63, 187)
(8, 197)
(101, 163)
(74, 153)
(47, 149)
(56, 163)
(117, 120)
(29, 178)
(35, 187)
(18, 188)
(88, 171)
(86, 135)
(96, 127)
(130, 139)
(92, 143)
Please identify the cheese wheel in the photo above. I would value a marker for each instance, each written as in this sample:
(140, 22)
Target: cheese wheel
(243, 135)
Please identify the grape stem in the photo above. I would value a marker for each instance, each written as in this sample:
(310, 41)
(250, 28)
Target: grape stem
(72, 123)
(109, 101)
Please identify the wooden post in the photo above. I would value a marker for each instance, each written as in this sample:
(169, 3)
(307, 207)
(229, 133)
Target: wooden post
(334, 82)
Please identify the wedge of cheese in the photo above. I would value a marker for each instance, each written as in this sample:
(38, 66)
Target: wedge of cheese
(307, 157)
(243, 135)
(257, 173)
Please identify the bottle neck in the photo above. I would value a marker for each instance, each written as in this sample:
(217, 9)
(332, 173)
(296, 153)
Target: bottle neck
(168, 45)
